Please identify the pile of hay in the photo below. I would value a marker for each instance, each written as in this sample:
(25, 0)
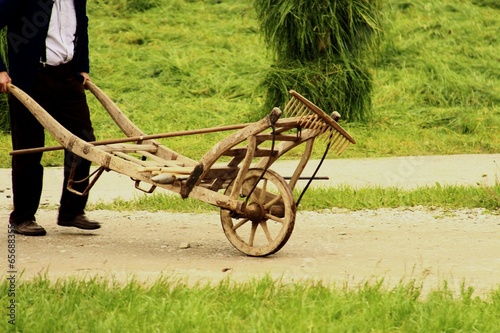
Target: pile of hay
(321, 50)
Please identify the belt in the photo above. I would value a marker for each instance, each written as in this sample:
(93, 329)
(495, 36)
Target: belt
(63, 69)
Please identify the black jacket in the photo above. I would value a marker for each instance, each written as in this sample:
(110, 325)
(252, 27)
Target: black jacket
(27, 24)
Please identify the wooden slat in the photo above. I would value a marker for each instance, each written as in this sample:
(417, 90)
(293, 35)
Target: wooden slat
(133, 159)
(172, 170)
(159, 160)
(130, 148)
(279, 137)
(259, 152)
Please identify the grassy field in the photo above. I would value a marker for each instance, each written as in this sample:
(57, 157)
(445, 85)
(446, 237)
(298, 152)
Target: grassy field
(190, 64)
(263, 305)
(184, 64)
(448, 197)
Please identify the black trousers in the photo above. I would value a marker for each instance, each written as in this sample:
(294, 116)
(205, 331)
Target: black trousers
(60, 92)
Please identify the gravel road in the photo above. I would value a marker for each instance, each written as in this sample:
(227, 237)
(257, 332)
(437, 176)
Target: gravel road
(337, 246)
(341, 247)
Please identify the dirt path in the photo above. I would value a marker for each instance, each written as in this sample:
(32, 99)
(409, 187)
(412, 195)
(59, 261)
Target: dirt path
(336, 246)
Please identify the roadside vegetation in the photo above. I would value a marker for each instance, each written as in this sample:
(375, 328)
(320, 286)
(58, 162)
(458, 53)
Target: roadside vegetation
(448, 197)
(261, 305)
(175, 65)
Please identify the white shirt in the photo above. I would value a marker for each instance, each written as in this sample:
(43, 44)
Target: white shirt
(60, 41)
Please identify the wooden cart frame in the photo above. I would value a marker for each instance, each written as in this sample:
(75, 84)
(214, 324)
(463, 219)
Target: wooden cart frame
(257, 205)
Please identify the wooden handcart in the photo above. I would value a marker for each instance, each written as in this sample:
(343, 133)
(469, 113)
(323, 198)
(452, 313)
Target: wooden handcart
(257, 205)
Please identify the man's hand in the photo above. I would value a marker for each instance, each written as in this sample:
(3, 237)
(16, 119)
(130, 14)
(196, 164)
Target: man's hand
(4, 80)
(86, 77)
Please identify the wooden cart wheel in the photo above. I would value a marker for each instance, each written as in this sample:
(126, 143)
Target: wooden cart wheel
(269, 218)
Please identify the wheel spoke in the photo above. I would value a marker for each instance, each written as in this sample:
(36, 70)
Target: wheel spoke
(272, 202)
(274, 218)
(262, 196)
(263, 224)
(257, 194)
(252, 233)
(245, 189)
(239, 224)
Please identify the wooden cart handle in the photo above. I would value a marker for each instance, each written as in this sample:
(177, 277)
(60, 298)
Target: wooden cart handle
(136, 138)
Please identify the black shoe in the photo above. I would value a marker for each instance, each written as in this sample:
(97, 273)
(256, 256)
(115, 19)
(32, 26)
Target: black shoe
(28, 228)
(81, 222)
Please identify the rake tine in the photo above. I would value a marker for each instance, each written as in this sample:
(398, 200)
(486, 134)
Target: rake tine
(337, 142)
(318, 125)
(300, 110)
(289, 106)
(343, 147)
(327, 135)
(307, 121)
(294, 106)
(345, 144)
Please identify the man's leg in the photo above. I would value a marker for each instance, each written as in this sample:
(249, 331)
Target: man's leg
(68, 105)
(27, 171)
(74, 115)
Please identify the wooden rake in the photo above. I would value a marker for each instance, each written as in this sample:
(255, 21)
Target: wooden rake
(324, 127)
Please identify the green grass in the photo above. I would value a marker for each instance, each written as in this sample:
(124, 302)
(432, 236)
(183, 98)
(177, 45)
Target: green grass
(437, 90)
(183, 64)
(263, 305)
(449, 197)
(174, 65)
